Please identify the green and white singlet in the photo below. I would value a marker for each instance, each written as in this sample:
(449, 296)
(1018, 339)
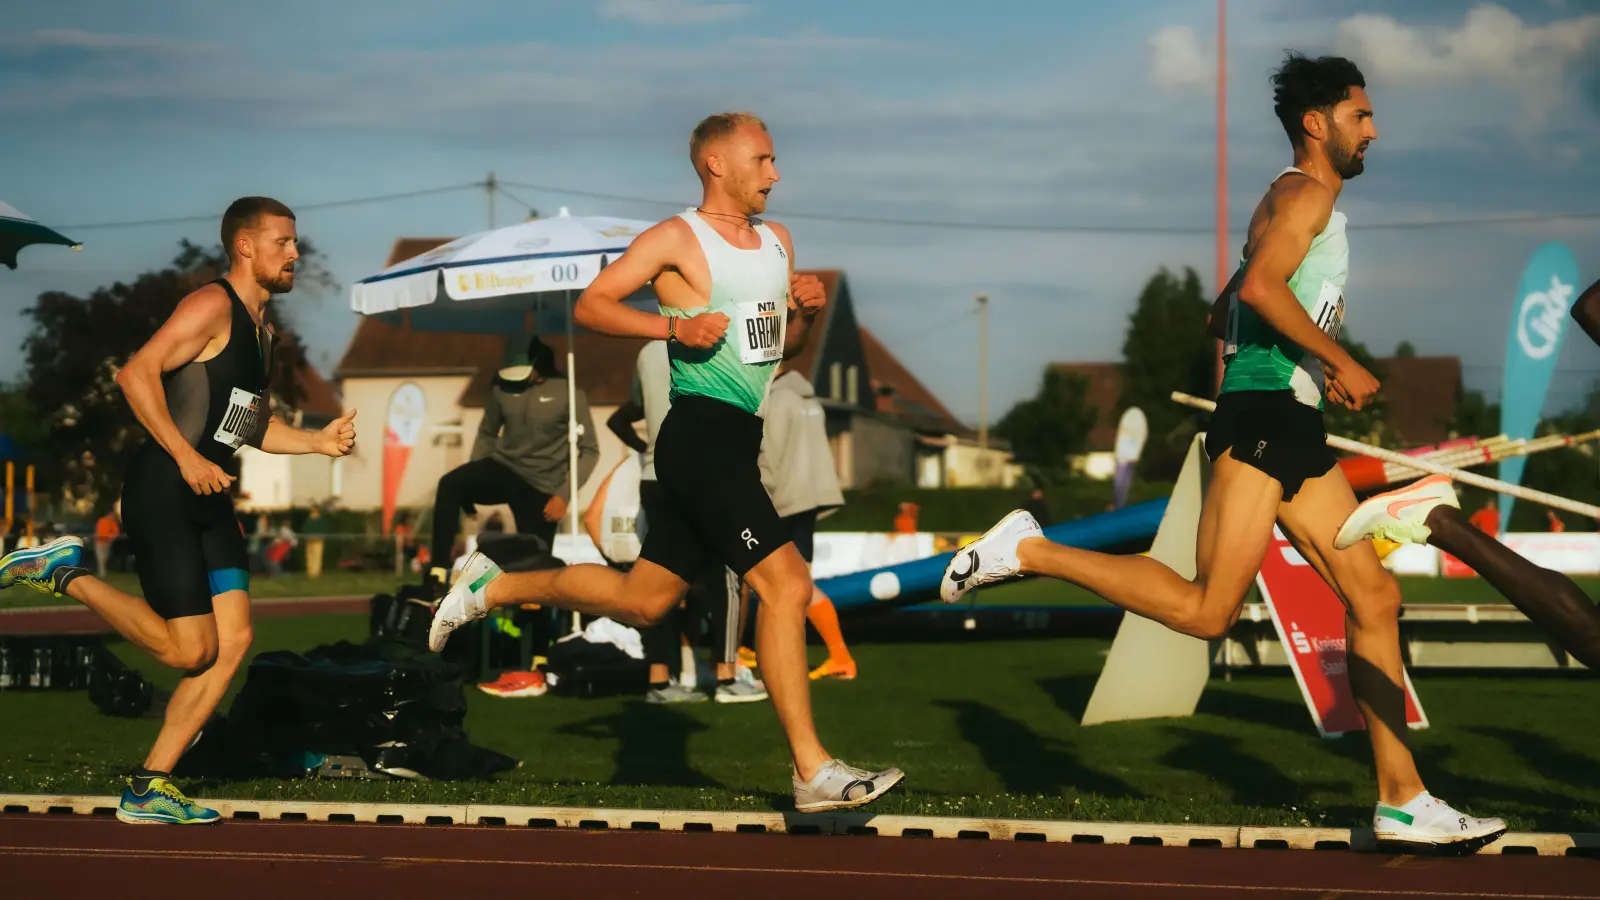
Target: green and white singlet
(1256, 357)
(750, 287)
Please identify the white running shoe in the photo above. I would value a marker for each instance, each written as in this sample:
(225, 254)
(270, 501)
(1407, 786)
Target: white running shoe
(990, 558)
(1398, 515)
(838, 786)
(1429, 821)
(464, 602)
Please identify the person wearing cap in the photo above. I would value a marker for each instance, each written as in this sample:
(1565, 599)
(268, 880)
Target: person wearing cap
(520, 457)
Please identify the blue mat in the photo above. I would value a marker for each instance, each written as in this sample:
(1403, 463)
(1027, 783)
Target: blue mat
(918, 581)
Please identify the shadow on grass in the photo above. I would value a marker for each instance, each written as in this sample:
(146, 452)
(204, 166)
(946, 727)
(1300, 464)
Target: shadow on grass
(652, 745)
(1025, 761)
(1251, 779)
(1548, 758)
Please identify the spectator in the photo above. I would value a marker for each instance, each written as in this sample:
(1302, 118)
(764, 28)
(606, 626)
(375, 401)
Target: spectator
(315, 529)
(1487, 518)
(905, 522)
(1037, 506)
(521, 457)
(1556, 525)
(798, 472)
(714, 592)
(280, 543)
(106, 530)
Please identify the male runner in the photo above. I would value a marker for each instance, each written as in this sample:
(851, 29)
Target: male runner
(1270, 462)
(732, 310)
(1428, 512)
(199, 387)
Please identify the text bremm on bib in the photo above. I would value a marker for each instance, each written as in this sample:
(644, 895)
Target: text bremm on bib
(760, 331)
(239, 422)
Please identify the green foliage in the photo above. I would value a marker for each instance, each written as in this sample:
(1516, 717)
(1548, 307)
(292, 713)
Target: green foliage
(1167, 349)
(1051, 426)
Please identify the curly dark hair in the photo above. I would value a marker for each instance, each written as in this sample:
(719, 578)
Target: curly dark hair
(1301, 85)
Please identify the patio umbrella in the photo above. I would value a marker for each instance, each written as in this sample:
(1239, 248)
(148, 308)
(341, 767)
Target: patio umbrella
(18, 230)
(492, 282)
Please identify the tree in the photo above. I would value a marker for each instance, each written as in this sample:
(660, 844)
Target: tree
(77, 344)
(1051, 426)
(1167, 349)
(1404, 350)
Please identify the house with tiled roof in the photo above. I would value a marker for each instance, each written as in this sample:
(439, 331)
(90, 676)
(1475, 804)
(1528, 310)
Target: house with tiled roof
(1421, 391)
(883, 423)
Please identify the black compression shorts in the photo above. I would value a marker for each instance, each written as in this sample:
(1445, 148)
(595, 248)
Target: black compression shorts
(708, 468)
(187, 548)
(1273, 432)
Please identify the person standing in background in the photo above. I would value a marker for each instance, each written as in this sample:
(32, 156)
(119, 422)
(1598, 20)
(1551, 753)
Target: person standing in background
(798, 472)
(106, 531)
(315, 530)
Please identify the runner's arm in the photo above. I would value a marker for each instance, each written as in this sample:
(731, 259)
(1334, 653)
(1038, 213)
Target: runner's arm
(1300, 216)
(600, 307)
(1586, 312)
(797, 331)
(1217, 320)
(200, 316)
(335, 439)
(488, 429)
(621, 425)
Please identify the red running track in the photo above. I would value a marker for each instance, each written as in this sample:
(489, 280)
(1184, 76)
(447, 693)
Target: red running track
(49, 856)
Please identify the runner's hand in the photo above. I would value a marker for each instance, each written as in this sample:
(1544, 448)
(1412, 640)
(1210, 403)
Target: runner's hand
(554, 509)
(202, 475)
(1355, 383)
(338, 436)
(702, 331)
(806, 294)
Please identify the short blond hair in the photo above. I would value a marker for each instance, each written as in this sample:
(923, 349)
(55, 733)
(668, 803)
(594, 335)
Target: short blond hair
(715, 127)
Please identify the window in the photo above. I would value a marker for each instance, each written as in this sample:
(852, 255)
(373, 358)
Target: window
(851, 395)
(833, 381)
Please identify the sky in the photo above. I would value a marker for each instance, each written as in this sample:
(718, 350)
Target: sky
(1014, 112)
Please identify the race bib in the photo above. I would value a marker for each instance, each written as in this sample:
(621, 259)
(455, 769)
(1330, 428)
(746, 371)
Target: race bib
(1329, 311)
(239, 422)
(1230, 343)
(760, 331)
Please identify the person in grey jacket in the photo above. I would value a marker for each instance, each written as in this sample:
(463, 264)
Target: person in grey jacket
(520, 457)
(798, 472)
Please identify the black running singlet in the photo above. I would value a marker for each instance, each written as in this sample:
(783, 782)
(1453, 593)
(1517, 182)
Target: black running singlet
(220, 405)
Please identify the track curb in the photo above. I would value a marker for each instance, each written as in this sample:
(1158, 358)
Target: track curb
(838, 823)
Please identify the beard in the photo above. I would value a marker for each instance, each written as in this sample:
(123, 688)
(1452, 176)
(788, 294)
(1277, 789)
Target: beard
(279, 282)
(1343, 155)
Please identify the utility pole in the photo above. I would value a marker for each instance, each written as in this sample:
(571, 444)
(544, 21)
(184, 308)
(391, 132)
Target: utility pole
(491, 185)
(983, 372)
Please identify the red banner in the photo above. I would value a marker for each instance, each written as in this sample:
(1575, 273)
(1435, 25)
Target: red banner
(407, 409)
(1310, 622)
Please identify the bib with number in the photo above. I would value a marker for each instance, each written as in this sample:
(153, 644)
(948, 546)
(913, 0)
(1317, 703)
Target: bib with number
(240, 421)
(760, 327)
(1329, 310)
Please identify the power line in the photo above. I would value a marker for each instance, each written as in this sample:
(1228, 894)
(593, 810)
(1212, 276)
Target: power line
(499, 186)
(329, 204)
(967, 225)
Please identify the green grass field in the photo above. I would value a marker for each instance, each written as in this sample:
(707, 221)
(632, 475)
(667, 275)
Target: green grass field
(981, 728)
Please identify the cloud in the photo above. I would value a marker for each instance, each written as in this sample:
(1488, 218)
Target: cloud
(671, 12)
(1177, 60)
(1492, 46)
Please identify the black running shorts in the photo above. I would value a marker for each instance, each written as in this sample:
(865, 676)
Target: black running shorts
(187, 547)
(1273, 432)
(716, 509)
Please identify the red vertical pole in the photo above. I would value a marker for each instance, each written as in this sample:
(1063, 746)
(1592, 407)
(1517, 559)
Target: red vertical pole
(1223, 269)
